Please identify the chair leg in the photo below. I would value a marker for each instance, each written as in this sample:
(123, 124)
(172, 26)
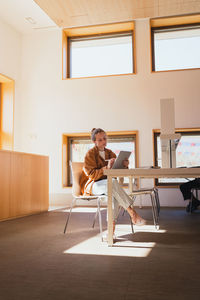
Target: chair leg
(119, 210)
(154, 212)
(122, 213)
(73, 203)
(97, 212)
(100, 220)
(140, 205)
(131, 225)
(157, 200)
(94, 221)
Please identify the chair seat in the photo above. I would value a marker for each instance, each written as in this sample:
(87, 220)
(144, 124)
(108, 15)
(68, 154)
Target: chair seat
(88, 197)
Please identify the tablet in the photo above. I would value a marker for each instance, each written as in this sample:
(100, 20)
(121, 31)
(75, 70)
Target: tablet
(118, 164)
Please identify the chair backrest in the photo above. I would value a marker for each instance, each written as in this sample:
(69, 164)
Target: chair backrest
(76, 168)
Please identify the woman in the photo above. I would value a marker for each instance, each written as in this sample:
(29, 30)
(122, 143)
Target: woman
(94, 182)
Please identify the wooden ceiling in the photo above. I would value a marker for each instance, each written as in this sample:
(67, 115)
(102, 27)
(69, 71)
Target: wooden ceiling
(75, 13)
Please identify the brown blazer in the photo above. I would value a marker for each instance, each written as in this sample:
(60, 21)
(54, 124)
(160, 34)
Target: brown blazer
(93, 168)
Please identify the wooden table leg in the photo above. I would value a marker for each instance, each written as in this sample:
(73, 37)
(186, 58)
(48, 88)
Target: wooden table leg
(110, 212)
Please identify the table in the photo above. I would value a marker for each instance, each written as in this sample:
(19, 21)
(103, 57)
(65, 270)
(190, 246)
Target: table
(142, 173)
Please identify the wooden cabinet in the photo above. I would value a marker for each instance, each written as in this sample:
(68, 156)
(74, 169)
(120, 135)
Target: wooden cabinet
(24, 184)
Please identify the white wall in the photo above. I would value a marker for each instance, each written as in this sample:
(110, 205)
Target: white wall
(50, 106)
(10, 51)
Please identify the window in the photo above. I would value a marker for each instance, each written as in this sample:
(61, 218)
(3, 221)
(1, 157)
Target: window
(103, 55)
(187, 153)
(6, 112)
(76, 146)
(98, 51)
(175, 43)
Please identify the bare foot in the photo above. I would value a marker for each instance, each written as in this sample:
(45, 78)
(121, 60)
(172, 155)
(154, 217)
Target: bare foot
(135, 218)
(139, 221)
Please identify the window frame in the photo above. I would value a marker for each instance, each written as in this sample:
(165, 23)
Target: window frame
(67, 137)
(171, 23)
(156, 133)
(114, 29)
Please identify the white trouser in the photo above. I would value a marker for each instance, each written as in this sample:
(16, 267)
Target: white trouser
(120, 198)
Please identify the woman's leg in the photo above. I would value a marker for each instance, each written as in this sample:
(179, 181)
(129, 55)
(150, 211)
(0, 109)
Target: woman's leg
(99, 187)
(120, 198)
(125, 201)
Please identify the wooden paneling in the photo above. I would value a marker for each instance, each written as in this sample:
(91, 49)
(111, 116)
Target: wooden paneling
(99, 29)
(4, 184)
(20, 203)
(39, 192)
(174, 21)
(24, 184)
(178, 7)
(75, 13)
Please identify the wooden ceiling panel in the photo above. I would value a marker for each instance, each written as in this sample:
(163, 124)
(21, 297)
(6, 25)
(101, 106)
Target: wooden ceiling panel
(75, 13)
(178, 7)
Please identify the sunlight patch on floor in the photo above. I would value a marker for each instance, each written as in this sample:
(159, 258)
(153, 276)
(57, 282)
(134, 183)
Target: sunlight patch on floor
(124, 244)
(94, 246)
(145, 228)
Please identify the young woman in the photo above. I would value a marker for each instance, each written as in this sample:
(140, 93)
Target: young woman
(94, 182)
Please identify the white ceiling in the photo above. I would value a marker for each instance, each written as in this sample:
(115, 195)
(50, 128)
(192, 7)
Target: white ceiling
(15, 12)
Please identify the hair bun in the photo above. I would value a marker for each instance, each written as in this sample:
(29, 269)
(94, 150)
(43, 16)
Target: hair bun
(95, 131)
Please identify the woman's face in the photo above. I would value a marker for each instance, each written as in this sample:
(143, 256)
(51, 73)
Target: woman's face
(101, 140)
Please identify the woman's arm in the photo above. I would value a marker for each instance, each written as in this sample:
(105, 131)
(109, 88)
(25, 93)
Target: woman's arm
(91, 167)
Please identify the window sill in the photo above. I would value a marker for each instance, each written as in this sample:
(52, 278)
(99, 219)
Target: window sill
(99, 76)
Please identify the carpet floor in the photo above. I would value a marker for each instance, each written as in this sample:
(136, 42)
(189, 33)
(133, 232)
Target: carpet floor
(37, 261)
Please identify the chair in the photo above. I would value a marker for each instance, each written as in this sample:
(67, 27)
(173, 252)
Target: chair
(76, 168)
(155, 202)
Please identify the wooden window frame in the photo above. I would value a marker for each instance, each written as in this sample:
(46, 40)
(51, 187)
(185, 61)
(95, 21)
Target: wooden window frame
(66, 137)
(170, 23)
(155, 134)
(94, 31)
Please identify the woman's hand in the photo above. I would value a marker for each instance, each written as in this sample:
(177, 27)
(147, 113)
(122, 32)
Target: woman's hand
(126, 163)
(110, 163)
